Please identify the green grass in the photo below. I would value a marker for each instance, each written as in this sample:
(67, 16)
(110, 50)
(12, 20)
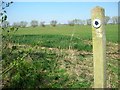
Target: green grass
(52, 41)
(42, 67)
(82, 32)
(112, 33)
(62, 36)
(38, 69)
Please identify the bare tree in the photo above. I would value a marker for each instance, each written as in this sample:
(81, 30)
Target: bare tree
(16, 24)
(118, 19)
(77, 21)
(53, 23)
(23, 24)
(42, 23)
(83, 22)
(34, 23)
(115, 19)
(88, 21)
(71, 23)
(107, 18)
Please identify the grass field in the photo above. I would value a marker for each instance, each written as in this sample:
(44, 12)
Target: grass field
(56, 57)
(83, 32)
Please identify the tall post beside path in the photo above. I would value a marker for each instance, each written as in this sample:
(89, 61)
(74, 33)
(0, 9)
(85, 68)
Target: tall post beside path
(99, 47)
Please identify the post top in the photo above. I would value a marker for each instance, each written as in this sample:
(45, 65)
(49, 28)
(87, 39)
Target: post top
(97, 9)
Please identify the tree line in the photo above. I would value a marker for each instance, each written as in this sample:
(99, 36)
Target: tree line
(35, 23)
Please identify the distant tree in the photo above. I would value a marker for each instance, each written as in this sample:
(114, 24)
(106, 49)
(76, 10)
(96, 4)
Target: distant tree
(34, 23)
(16, 24)
(107, 18)
(71, 23)
(53, 23)
(5, 24)
(88, 21)
(83, 22)
(77, 21)
(115, 19)
(42, 23)
(23, 24)
(118, 19)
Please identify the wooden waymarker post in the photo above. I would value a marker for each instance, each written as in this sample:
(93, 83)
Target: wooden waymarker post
(99, 47)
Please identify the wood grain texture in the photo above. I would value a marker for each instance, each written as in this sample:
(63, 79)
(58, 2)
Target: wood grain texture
(99, 48)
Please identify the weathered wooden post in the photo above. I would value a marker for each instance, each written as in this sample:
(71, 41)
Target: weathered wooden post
(99, 47)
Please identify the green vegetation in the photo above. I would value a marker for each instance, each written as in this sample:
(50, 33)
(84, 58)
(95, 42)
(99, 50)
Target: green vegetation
(55, 57)
(52, 57)
(52, 41)
(78, 31)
